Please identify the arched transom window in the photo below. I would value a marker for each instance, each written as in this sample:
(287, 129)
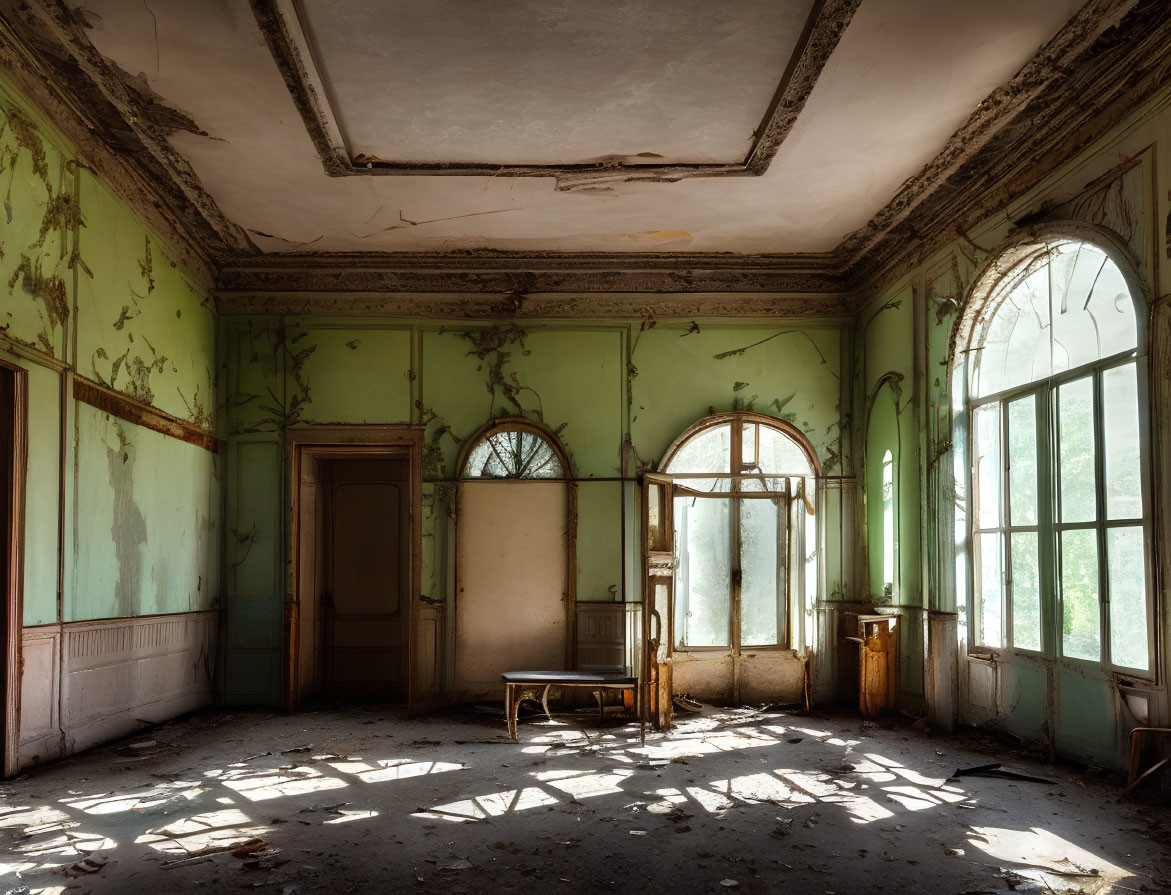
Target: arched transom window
(1059, 504)
(514, 450)
(744, 492)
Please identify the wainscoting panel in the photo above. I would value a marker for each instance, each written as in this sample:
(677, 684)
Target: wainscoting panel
(116, 676)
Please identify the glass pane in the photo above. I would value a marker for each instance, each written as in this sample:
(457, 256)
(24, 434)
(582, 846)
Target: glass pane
(1075, 269)
(986, 442)
(709, 450)
(1026, 591)
(761, 484)
(991, 590)
(1128, 597)
(888, 523)
(1022, 459)
(762, 567)
(703, 572)
(654, 520)
(1093, 313)
(1075, 407)
(1082, 636)
(516, 454)
(778, 452)
(1014, 348)
(1120, 431)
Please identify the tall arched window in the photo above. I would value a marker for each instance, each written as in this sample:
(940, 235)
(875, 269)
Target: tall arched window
(1055, 379)
(888, 523)
(744, 492)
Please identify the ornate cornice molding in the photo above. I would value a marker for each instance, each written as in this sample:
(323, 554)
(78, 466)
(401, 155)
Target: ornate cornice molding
(1107, 59)
(45, 47)
(1110, 57)
(559, 284)
(23, 67)
(480, 305)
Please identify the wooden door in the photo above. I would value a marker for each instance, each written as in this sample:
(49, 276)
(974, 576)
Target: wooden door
(366, 605)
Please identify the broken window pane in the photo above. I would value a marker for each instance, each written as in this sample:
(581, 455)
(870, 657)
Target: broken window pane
(703, 583)
(1022, 459)
(1128, 596)
(514, 454)
(1082, 638)
(1026, 591)
(762, 563)
(1120, 433)
(1075, 407)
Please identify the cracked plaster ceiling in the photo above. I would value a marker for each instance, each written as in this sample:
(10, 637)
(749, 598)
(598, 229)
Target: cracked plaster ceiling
(519, 85)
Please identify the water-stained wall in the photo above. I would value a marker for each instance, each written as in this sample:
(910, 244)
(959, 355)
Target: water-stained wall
(121, 521)
(616, 393)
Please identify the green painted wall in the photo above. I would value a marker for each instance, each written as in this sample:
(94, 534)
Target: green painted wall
(595, 384)
(87, 288)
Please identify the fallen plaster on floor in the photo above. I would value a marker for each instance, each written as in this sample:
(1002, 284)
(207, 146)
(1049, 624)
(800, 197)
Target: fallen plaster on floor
(364, 800)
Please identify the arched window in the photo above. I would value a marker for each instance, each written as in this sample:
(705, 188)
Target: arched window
(888, 523)
(743, 487)
(514, 449)
(1056, 417)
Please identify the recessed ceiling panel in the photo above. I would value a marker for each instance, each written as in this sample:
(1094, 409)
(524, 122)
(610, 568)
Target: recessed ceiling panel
(539, 83)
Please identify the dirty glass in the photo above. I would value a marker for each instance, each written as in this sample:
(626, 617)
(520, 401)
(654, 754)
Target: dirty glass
(1126, 566)
(1022, 460)
(986, 444)
(709, 450)
(654, 518)
(703, 592)
(1026, 591)
(1081, 629)
(514, 454)
(1121, 442)
(991, 590)
(1075, 451)
(775, 452)
(762, 558)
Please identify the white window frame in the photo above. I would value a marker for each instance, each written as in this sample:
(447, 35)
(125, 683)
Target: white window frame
(966, 339)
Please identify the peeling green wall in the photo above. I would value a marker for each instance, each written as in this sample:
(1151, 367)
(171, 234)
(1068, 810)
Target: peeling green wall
(595, 384)
(87, 288)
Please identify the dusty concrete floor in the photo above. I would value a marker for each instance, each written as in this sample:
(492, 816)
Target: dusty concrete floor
(365, 801)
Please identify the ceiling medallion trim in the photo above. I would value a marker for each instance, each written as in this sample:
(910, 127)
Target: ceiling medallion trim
(292, 52)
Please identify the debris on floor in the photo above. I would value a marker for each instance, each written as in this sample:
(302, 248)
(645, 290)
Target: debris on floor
(365, 799)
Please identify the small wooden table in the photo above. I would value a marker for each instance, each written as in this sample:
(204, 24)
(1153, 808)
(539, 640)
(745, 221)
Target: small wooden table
(537, 685)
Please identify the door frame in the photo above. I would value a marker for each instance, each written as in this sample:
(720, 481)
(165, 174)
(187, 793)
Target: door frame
(351, 442)
(14, 506)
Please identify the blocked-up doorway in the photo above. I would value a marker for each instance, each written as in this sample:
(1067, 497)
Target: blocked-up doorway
(350, 626)
(513, 603)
